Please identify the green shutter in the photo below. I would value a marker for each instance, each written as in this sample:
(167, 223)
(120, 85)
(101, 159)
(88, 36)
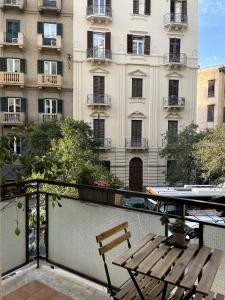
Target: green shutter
(60, 29)
(23, 145)
(23, 65)
(23, 105)
(40, 66)
(40, 27)
(3, 64)
(60, 106)
(4, 104)
(41, 106)
(59, 67)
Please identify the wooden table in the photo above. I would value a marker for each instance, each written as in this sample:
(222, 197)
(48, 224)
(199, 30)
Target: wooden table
(171, 267)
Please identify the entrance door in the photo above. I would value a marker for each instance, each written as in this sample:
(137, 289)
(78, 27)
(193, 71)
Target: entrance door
(136, 174)
(174, 50)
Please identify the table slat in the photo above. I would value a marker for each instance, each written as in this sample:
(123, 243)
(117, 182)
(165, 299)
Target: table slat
(210, 296)
(181, 264)
(210, 271)
(121, 260)
(195, 268)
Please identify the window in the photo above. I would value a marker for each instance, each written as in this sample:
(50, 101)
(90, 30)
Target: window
(173, 92)
(136, 133)
(50, 67)
(106, 164)
(211, 88)
(12, 29)
(16, 145)
(137, 87)
(50, 106)
(172, 131)
(171, 167)
(99, 131)
(50, 30)
(224, 115)
(210, 113)
(142, 7)
(138, 44)
(99, 44)
(178, 10)
(174, 55)
(14, 105)
(98, 89)
(13, 65)
(99, 7)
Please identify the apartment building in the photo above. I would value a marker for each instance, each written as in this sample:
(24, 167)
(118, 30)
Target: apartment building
(35, 62)
(211, 97)
(135, 77)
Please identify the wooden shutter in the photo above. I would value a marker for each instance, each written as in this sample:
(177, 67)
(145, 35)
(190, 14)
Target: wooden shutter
(147, 45)
(99, 129)
(40, 27)
(89, 3)
(4, 104)
(60, 29)
(184, 8)
(172, 7)
(137, 87)
(148, 7)
(129, 43)
(59, 67)
(23, 105)
(23, 145)
(41, 105)
(135, 7)
(3, 64)
(40, 66)
(90, 39)
(60, 106)
(108, 41)
(23, 65)
(136, 133)
(108, 3)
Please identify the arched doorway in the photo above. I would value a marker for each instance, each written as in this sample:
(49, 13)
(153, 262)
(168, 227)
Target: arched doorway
(136, 174)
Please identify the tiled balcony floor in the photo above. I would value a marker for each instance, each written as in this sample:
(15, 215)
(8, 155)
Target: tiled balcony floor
(49, 284)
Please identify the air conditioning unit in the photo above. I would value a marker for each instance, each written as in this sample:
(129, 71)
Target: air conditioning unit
(15, 40)
(53, 42)
(11, 2)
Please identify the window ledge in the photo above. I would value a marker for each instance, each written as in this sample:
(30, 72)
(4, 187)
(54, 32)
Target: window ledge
(139, 16)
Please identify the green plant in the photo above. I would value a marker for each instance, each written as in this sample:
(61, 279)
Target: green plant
(165, 220)
(178, 226)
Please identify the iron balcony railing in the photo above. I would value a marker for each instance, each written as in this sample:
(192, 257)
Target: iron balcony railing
(54, 5)
(103, 143)
(136, 143)
(179, 19)
(99, 11)
(175, 58)
(99, 53)
(99, 99)
(174, 101)
(50, 117)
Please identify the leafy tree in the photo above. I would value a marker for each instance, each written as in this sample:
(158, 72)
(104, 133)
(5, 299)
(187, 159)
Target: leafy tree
(210, 155)
(179, 150)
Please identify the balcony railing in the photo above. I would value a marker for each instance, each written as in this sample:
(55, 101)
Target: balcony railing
(8, 39)
(12, 78)
(18, 4)
(51, 6)
(103, 143)
(99, 13)
(99, 54)
(173, 102)
(99, 100)
(133, 143)
(175, 59)
(49, 43)
(175, 21)
(12, 118)
(50, 117)
(51, 81)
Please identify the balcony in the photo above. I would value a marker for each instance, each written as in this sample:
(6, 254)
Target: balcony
(49, 43)
(136, 144)
(12, 79)
(176, 60)
(99, 13)
(175, 22)
(99, 55)
(12, 118)
(13, 4)
(174, 102)
(50, 117)
(49, 81)
(99, 100)
(103, 143)
(16, 40)
(50, 6)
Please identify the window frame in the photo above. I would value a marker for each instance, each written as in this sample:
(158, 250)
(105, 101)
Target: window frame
(14, 105)
(211, 88)
(136, 95)
(138, 42)
(50, 64)
(14, 66)
(50, 106)
(210, 113)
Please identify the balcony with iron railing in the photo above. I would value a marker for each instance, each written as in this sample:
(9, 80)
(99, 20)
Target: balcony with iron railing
(101, 100)
(9, 39)
(12, 118)
(49, 43)
(175, 22)
(103, 143)
(99, 54)
(99, 13)
(136, 144)
(62, 240)
(10, 4)
(172, 60)
(48, 117)
(50, 5)
(174, 102)
(12, 79)
(49, 81)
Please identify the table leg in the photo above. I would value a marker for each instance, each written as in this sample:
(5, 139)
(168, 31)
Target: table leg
(136, 285)
(164, 291)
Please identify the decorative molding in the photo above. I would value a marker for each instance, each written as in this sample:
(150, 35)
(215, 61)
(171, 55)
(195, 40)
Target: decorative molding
(173, 115)
(138, 72)
(99, 29)
(174, 75)
(139, 32)
(137, 115)
(101, 113)
(99, 70)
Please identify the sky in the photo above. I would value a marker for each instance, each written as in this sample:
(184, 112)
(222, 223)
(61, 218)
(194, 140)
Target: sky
(211, 33)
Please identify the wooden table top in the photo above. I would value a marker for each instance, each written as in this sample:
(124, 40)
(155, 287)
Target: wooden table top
(151, 256)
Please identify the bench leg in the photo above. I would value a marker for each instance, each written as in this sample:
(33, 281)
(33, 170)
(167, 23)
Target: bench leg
(136, 285)
(164, 291)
